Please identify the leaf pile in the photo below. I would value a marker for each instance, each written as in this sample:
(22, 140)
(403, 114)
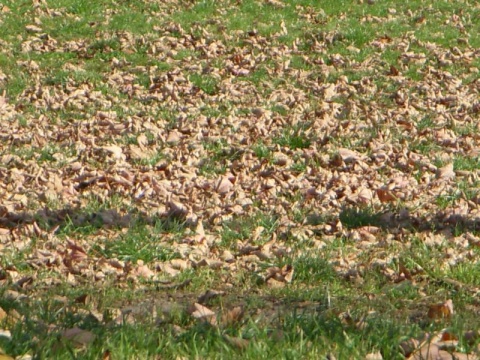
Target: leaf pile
(236, 149)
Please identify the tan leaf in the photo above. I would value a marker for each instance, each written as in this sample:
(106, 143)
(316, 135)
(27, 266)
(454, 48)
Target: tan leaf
(6, 357)
(348, 155)
(374, 356)
(116, 151)
(232, 316)
(138, 152)
(385, 195)
(199, 231)
(3, 314)
(201, 312)
(78, 337)
(174, 137)
(236, 342)
(224, 185)
(427, 352)
(142, 270)
(142, 140)
(329, 91)
(33, 29)
(208, 295)
(287, 273)
(446, 172)
(364, 195)
(5, 334)
(275, 284)
(439, 311)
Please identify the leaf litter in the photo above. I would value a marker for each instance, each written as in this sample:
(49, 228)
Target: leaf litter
(180, 147)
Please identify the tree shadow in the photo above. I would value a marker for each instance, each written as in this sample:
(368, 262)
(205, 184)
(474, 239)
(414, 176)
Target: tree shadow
(77, 218)
(389, 220)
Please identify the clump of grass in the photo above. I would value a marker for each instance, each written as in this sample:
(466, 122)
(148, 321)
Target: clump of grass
(352, 218)
(294, 137)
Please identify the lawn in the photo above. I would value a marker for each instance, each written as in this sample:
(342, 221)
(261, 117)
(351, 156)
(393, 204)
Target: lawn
(246, 179)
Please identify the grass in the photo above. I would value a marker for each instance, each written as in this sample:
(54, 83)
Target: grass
(295, 264)
(294, 137)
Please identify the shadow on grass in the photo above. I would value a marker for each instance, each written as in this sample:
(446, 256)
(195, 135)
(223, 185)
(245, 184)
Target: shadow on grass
(76, 219)
(442, 221)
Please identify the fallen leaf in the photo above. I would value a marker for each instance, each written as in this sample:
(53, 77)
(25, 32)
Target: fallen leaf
(239, 343)
(208, 295)
(440, 311)
(446, 172)
(79, 337)
(224, 185)
(201, 312)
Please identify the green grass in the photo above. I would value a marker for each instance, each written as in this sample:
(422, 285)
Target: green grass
(294, 137)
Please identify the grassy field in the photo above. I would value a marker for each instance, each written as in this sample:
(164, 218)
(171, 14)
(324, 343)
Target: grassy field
(239, 179)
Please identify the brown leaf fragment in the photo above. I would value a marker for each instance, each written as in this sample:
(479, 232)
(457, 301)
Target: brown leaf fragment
(203, 313)
(239, 343)
(407, 347)
(440, 311)
(385, 195)
(227, 256)
(275, 284)
(177, 209)
(106, 355)
(142, 140)
(232, 316)
(79, 337)
(393, 71)
(6, 357)
(33, 29)
(374, 356)
(349, 156)
(5, 235)
(143, 270)
(446, 172)
(174, 137)
(363, 195)
(116, 151)
(287, 273)
(224, 185)
(137, 152)
(428, 352)
(208, 295)
(3, 314)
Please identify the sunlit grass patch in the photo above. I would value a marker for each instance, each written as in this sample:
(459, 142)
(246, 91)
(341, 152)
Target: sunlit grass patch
(294, 137)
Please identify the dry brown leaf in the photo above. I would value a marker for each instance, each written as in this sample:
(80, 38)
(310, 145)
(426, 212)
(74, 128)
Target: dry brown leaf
(79, 337)
(374, 356)
(440, 311)
(203, 313)
(446, 172)
(143, 270)
(236, 342)
(348, 155)
(116, 151)
(174, 137)
(6, 357)
(5, 334)
(385, 195)
(208, 295)
(33, 29)
(224, 185)
(232, 316)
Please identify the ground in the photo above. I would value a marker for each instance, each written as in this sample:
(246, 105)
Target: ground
(239, 179)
